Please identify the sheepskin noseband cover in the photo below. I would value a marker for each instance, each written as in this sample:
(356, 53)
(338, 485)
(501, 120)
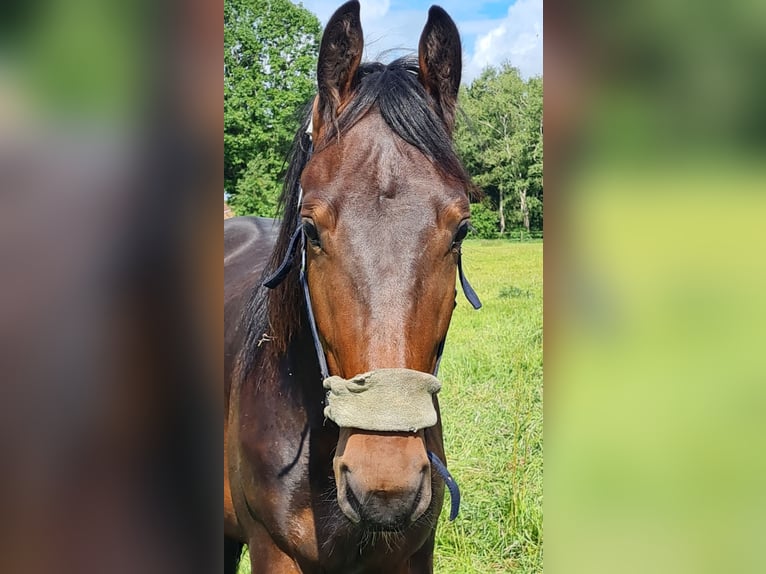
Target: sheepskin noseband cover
(383, 400)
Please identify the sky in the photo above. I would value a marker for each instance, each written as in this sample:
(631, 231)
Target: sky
(492, 31)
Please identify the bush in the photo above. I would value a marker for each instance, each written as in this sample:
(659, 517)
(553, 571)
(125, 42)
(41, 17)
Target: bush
(485, 221)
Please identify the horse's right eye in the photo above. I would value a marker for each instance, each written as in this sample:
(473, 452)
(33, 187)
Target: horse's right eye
(311, 233)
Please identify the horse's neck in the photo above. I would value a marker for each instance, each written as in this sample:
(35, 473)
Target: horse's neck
(299, 378)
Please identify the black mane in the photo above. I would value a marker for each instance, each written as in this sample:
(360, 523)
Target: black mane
(404, 105)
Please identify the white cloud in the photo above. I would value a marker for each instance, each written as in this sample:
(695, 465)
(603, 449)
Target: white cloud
(375, 8)
(518, 39)
(399, 31)
(371, 9)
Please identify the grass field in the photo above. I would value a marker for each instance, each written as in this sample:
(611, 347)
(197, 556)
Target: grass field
(492, 411)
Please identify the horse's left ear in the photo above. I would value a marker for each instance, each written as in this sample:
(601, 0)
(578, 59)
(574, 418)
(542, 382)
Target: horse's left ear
(440, 56)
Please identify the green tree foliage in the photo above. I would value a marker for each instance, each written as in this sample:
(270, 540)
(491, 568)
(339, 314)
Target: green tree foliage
(500, 140)
(484, 221)
(270, 51)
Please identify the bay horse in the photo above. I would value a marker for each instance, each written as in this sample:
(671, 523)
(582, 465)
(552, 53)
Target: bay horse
(359, 278)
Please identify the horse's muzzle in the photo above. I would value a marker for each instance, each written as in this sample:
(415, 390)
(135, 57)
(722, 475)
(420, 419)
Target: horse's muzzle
(383, 479)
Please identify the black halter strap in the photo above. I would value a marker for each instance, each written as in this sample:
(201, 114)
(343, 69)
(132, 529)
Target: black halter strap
(454, 490)
(287, 261)
(470, 294)
(310, 312)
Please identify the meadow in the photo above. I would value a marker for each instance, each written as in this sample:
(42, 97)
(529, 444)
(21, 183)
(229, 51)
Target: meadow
(492, 411)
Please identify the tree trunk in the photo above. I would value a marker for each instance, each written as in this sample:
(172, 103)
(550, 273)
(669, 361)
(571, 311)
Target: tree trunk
(524, 208)
(501, 212)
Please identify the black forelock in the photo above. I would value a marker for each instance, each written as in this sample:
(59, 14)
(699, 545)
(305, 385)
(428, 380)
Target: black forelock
(404, 105)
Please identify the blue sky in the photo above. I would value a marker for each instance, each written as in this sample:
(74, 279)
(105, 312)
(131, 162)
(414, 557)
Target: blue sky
(492, 31)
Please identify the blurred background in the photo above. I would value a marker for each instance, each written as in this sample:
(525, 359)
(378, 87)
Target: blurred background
(110, 327)
(110, 324)
(654, 286)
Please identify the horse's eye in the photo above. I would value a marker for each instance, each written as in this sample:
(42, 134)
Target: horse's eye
(311, 233)
(462, 231)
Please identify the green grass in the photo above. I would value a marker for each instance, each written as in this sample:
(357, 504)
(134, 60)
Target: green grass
(492, 411)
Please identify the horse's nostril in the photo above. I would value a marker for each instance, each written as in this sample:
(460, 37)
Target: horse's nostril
(352, 499)
(344, 468)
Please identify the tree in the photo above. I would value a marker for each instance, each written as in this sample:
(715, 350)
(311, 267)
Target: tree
(270, 51)
(500, 140)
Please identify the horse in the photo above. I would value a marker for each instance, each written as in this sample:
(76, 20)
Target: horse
(335, 320)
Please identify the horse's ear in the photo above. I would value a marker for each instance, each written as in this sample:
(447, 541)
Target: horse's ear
(440, 57)
(339, 56)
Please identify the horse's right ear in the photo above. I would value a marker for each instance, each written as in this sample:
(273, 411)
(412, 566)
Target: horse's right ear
(339, 56)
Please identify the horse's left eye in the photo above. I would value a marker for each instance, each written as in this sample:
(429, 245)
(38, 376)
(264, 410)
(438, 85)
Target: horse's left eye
(462, 231)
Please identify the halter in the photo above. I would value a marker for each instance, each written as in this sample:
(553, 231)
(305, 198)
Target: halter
(281, 273)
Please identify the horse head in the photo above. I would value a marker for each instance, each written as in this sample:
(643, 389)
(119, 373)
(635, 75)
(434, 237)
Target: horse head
(384, 210)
